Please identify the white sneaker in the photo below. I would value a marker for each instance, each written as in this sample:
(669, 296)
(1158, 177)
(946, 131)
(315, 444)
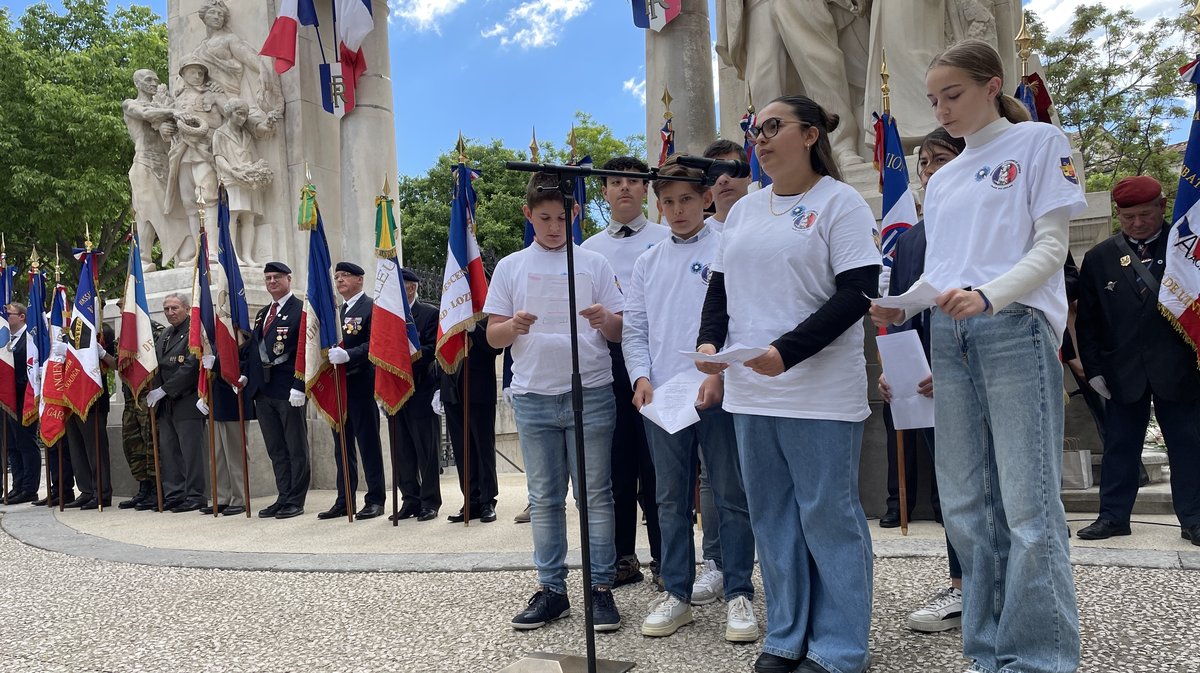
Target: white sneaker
(942, 613)
(740, 624)
(667, 614)
(709, 586)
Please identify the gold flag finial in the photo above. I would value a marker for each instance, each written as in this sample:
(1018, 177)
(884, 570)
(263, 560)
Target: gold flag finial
(749, 99)
(461, 148)
(573, 143)
(1195, 13)
(1024, 42)
(87, 237)
(57, 264)
(200, 206)
(884, 87)
(3, 249)
(386, 192)
(666, 100)
(534, 154)
(307, 173)
(33, 259)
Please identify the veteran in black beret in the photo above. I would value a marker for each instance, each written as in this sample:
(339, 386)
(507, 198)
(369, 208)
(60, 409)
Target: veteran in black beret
(362, 416)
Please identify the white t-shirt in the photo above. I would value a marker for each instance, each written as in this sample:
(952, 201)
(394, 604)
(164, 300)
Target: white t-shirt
(669, 283)
(713, 223)
(622, 252)
(980, 209)
(542, 362)
(779, 270)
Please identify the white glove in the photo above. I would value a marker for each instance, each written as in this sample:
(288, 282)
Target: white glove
(1097, 383)
(508, 395)
(436, 403)
(242, 381)
(208, 361)
(296, 398)
(58, 351)
(154, 397)
(201, 406)
(338, 356)
(101, 353)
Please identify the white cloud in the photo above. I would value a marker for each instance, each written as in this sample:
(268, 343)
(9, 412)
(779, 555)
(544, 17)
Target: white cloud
(636, 87)
(536, 23)
(425, 14)
(1057, 13)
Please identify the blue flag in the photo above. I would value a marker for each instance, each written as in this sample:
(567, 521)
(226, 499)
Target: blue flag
(1189, 189)
(580, 196)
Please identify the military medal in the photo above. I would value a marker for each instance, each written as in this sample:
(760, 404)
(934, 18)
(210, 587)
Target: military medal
(1125, 260)
(278, 349)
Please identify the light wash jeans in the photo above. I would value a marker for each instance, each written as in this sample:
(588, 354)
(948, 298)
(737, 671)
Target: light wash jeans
(814, 547)
(999, 408)
(546, 428)
(675, 460)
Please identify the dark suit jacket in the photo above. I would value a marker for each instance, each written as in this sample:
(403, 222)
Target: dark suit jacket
(22, 376)
(269, 372)
(425, 369)
(356, 339)
(481, 365)
(224, 397)
(908, 266)
(178, 372)
(1122, 336)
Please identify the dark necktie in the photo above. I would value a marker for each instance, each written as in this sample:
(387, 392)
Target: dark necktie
(625, 231)
(345, 307)
(270, 317)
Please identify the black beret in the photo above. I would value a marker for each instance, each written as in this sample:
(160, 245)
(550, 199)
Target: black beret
(276, 267)
(350, 268)
(409, 276)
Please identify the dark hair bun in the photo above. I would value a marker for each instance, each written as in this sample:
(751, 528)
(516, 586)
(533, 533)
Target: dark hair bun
(831, 122)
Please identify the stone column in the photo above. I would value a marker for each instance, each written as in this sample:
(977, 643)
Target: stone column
(368, 139)
(732, 101)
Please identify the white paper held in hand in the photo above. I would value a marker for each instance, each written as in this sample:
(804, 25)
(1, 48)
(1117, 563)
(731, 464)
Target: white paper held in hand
(735, 354)
(905, 366)
(546, 297)
(674, 405)
(919, 297)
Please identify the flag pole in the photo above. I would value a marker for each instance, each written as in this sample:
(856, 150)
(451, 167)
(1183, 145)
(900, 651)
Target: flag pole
(99, 487)
(466, 378)
(391, 419)
(245, 453)
(61, 468)
(207, 373)
(62, 501)
(154, 443)
(3, 416)
(341, 433)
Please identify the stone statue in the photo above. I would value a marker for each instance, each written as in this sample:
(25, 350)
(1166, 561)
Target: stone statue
(145, 116)
(815, 47)
(243, 173)
(230, 59)
(191, 174)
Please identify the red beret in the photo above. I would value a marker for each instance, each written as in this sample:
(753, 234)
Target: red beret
(1136, 190)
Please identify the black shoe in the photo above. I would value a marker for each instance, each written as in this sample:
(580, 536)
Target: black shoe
(810, 666)
(79, 502)
(427, 514)
(773, 663)
(604, 611)
(289, 511)
(233, 510)
(41, 502)
(890, 519)
(457, 517)
(1103, 529)
(335, 512)
(145, 490)
(487, 513)
(149, 504)
(22, 498)
(406, 512)
(369, 511)
(629, 571)
(1191, 533)
(169, 504)
(186, 506)
(207, 510)
(544, 607)
(90, 504)
(270, 511)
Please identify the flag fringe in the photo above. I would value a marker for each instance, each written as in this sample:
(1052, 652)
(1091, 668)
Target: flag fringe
(452, 367)
(32, 415)
(1174, 320)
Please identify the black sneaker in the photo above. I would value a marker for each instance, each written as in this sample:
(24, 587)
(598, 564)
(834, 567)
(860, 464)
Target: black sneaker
(604, 611)
(629, 571)
(544, 607)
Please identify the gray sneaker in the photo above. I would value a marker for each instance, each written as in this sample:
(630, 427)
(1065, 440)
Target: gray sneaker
(942, 613)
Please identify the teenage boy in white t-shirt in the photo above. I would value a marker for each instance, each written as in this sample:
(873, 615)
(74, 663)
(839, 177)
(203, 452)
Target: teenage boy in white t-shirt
(727, 189)
(662, 314)
(626, 237)
(541, 388)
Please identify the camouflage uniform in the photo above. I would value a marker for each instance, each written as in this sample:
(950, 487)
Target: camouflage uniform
(135, 435)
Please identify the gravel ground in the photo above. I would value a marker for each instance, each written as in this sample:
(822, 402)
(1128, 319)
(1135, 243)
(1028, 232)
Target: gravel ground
(70, 614)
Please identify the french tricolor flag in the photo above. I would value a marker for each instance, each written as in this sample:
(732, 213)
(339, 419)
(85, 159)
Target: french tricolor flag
(655, 14)
(899, 206)
(281, 41)
(136, 359)
(354, 22)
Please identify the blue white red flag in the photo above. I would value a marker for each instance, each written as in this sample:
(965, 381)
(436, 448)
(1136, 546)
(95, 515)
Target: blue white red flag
(136, 359)
(202, 326)
(319, 329)
(281, 41)
(354, 22)
(899, 206)
(1179, 292)
(395, 342)
(758, 178)
(580, 196)
(464, 286)
(82, 385)
(8, 371)
(52, 410)
(667, 135)
(37, 346)
(232, 314)
(655, 14)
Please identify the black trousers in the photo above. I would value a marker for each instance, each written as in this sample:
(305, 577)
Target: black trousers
(82, 434)
(362, 431)
(1125, 432)
(183, 454)
(483, 487)
(24, 457)
(910, 467)
(633, 481)
(416, 458)
(286, 437)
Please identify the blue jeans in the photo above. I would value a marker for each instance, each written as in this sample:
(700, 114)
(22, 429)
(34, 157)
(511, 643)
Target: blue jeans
(814, 547)
(1000, 490)
(675, 461)
(546, 428)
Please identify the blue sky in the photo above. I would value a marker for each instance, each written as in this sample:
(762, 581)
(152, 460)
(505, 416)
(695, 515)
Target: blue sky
(489, 67)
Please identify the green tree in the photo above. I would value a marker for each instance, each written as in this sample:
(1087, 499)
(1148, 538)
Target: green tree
(1115, 83)
(64, 151)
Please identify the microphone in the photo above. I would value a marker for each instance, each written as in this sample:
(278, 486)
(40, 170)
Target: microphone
(715, 168)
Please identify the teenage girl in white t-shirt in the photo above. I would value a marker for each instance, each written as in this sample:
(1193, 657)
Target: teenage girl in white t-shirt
(794, 272)
(996, 220)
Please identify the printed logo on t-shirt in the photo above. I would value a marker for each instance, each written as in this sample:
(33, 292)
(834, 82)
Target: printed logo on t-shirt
(1068, 169)
(617, 282)
(1006, 174)
(981, 174)
(702, 270)
(803, 218)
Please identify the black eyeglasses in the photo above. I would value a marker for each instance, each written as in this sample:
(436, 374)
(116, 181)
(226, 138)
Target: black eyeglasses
(770, 128)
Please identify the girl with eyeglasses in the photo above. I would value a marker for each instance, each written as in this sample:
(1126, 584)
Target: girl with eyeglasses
(795, 271)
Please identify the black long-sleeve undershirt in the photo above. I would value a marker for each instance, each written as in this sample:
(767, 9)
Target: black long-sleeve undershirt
(849, 303)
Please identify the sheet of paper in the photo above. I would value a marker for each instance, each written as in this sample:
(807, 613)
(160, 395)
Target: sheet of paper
(546, 297)
(735, 354)
(905, 366)
(919, 297)
(674, 405)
